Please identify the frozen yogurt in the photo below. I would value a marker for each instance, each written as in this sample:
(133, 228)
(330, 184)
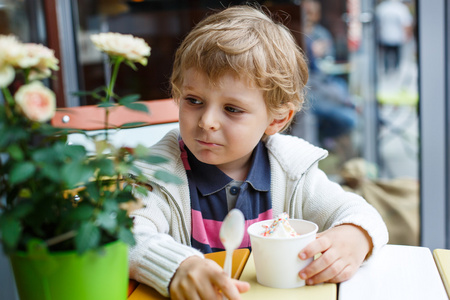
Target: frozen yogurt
(280, 227)
(275, 248)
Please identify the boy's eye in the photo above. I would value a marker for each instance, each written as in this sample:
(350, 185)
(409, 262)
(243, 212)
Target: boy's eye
(233, 109)
(193, 100)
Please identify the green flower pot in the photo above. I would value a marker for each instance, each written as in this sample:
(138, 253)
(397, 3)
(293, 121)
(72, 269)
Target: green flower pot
(101, 274)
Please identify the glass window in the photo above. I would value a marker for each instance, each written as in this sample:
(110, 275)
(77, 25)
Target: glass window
(363, 103)
(162, 24)
(362, 97)
(24, 19)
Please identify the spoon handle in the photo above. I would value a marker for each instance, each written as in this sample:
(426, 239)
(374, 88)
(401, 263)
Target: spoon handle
(228, 262)
(227, 265)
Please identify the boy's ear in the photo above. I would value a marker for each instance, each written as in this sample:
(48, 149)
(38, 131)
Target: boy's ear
(279, 122)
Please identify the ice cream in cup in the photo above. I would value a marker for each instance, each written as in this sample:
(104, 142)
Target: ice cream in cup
(275, 247)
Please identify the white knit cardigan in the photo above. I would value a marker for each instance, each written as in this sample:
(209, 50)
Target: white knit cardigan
(162, 228)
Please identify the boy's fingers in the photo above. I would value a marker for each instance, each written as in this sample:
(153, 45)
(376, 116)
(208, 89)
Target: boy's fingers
(319, 265)
(242, 286)
(328, 273)
(230, 287)
(346, 274)
(315, 247)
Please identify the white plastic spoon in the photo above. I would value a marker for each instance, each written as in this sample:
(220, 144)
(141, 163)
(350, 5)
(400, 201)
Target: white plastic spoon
(231, 235)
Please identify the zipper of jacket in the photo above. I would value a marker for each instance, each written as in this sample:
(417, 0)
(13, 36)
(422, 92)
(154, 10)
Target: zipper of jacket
(291, 208)
(173, 202)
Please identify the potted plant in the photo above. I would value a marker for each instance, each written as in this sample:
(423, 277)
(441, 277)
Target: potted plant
(63, 213)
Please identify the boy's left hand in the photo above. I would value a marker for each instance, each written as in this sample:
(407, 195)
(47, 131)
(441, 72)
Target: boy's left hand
(343, 249)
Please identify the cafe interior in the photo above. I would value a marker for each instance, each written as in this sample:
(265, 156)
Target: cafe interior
(381, 112)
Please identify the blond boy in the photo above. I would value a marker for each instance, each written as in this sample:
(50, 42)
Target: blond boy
(239, 78)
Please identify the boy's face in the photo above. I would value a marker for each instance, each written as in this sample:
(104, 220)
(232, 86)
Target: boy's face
(222, 123)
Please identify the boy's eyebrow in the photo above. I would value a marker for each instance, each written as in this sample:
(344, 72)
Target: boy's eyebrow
(235, 99)
(188, 87)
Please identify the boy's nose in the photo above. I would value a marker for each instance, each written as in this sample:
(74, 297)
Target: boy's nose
(208, 121)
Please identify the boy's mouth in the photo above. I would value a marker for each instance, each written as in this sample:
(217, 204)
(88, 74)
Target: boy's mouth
(208, 144)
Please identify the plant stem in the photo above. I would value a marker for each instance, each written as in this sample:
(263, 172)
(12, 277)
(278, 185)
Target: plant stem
(60, 238)
(106, 122)
(116, 61)
(27, 75)
(9, 101)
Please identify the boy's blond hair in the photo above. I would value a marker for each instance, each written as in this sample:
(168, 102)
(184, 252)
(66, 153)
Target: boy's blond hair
(247, 42)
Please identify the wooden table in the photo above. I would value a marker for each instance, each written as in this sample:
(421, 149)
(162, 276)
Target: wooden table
(442, 258)
(396, 272)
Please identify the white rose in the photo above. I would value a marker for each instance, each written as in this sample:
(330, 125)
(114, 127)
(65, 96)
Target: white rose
(7, 75)
(36, 57)
(125, 45)
(40, 58)
(36, 101)
(11, 50)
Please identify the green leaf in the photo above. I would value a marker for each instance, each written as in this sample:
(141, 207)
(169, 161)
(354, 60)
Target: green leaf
(52, 172)
(137, 107)
(108, 221)
(21, 172)
(167, 177)
(11, 230)
(15, 152)
(126, 236)
(74, 173)
(131, 65)
(129, 99)
(105, 166)
(88, 237)
(76, 152)
(141, 150)
(37, 248)
(82, 212)
(93, 191)
(82, 93)
(111, 205)
(125, 195)
(154, 159)
(106, 104)
(44, 155)
(21, 210)
(12, 134)
(141, 190)
(25, 193)
(133, 124)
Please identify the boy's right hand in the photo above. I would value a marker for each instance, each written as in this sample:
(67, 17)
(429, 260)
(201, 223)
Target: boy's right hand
(200, 278)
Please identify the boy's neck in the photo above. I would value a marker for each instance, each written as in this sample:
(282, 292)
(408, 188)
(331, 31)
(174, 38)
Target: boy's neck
(238, 175)
(237, 171)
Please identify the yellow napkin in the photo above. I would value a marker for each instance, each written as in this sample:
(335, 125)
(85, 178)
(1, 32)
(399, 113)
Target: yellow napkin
(318, 292)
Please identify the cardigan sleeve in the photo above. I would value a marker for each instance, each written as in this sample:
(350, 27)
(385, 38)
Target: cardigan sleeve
(156, 256)
(328, 204)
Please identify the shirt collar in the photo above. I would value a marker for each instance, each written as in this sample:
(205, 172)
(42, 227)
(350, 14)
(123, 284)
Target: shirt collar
(258, 176)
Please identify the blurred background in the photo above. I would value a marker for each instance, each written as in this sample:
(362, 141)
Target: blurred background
(373, 65)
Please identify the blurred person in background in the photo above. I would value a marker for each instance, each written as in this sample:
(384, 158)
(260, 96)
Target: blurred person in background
(328, 97)
(322, 44)
(394, 24)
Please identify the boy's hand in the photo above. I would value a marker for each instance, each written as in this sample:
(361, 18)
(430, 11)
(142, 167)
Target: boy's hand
(343, 249)
(199, 278)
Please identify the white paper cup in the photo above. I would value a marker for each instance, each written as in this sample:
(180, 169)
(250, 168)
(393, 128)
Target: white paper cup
(276, 259)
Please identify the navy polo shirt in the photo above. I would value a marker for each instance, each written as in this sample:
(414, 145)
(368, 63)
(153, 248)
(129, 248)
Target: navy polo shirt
(213, 194)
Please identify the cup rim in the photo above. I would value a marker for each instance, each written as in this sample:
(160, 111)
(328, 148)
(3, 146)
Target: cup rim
(301, 236)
